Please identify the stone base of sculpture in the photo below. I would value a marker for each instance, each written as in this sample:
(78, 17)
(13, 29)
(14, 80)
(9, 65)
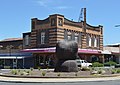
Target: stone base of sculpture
(66, 66)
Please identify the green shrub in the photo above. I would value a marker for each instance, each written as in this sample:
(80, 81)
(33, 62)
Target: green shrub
(110, 63)
(6, 67)
(85, 69)
(118, 71)
(97, 64)
(31, 68)
(58, 74)
(43, 73)
(113, 71)
(28, 71)
(39, 68)
(18, 70)
(99, 72)
(76, 74)
(21, 73)
(14, 72)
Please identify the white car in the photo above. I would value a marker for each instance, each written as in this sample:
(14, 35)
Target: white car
(83, 63)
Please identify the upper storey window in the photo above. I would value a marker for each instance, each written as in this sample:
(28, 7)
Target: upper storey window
(76, 39)
(69, 37)
(42, 37)
(89, 40)
(27, 40)
(52, 22)
(98, 41)
(95, 42)
(90, 44)
(60, 21)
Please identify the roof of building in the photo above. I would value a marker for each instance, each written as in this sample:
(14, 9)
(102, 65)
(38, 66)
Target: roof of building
(11, 39)
(113, 45)
(69, 22)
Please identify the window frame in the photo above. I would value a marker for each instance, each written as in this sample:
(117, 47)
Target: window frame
(42, 38)
(26, 40)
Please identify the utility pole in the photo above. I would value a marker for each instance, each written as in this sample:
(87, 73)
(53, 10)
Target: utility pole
(83, 15)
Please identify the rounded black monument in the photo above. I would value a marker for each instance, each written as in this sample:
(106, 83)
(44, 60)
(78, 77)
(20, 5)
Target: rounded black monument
(66, 53)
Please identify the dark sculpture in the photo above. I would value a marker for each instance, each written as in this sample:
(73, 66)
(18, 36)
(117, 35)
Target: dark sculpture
(66, 53)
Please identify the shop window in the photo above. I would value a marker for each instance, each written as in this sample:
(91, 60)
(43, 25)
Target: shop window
(60, 22)
(42, 37)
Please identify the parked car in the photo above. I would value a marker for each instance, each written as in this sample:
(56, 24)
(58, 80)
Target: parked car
(83, 63)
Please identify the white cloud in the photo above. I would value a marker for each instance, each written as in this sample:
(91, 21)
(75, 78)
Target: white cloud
(43, 3)
(51, 4)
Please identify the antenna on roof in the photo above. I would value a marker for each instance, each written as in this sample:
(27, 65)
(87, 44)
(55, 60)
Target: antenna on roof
(81, 15)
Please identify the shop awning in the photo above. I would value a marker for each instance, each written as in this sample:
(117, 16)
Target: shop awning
(16, 54)
(52, 50)
(89, 51)
(105, 52)
(40, 50)
(116, 53)
(12, 57)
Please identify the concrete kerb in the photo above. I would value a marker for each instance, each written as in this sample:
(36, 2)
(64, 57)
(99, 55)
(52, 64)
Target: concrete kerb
(55, 80)
(34, 79)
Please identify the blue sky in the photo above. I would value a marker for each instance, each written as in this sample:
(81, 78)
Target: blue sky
(15, 15)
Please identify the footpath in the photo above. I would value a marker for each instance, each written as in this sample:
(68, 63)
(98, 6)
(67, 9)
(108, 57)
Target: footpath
(54, 80)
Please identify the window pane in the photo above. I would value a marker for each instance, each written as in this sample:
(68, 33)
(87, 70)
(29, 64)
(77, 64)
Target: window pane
(89, 41)
(76, 39)
(69, 37)
(60, 22)
(27, 40)
(95, 42)
(42, 37)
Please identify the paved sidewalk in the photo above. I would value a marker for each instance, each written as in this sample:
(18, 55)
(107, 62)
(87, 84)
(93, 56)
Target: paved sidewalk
(50, 80)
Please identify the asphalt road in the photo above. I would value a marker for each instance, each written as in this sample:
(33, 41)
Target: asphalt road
(114, 82)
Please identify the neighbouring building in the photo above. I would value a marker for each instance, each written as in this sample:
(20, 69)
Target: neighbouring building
(11, 55)
(112, 53)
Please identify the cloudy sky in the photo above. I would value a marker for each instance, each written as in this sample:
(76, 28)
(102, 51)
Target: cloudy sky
(15, 15)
